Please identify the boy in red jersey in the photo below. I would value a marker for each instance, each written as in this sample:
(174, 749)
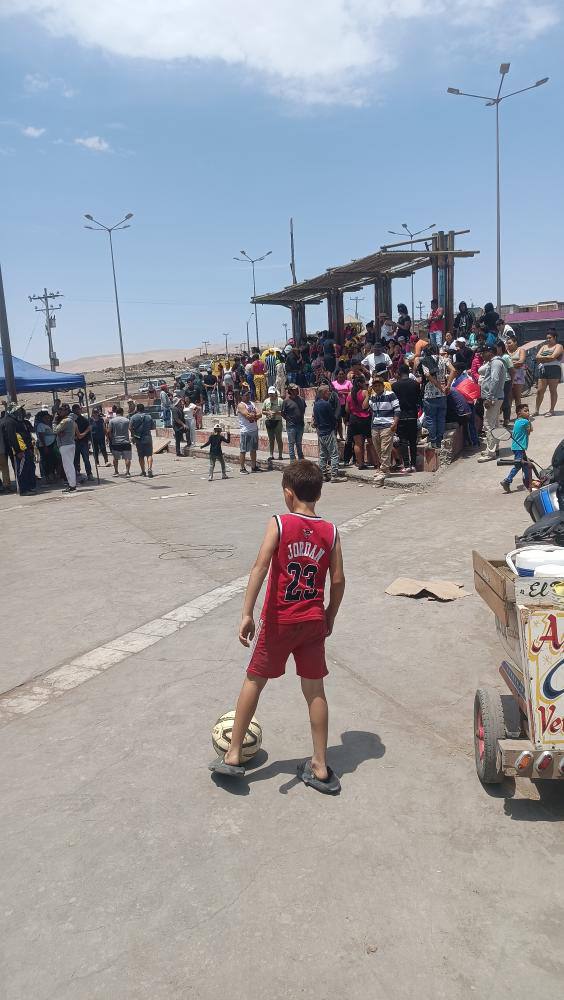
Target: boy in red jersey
(299, 548)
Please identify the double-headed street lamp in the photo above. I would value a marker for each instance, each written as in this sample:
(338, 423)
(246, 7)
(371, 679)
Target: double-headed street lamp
(99, 227)
(245, 259)
(412, 237)
(490, 103)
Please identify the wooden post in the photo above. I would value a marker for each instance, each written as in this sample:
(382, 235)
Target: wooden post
(449, 310)
(340, 318)
(435, 268)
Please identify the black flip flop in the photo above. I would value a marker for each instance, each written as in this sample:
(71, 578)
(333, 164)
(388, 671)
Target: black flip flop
(331, 785)
(231, 770)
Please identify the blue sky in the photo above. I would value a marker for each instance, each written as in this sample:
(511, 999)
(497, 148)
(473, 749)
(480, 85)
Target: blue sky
(214, 122)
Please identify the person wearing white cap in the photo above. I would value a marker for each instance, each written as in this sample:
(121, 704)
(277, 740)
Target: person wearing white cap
(272, 412)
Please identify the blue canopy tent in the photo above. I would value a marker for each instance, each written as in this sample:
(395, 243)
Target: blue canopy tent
(32, 378)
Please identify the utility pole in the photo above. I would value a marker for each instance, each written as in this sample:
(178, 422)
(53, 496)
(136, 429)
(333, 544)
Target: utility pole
(205, 345)
(226, 335)
(356, 299)
(292, 254)
(6, 348)
(420, 307)
(285, 325)
(49, 311)
(248, 338)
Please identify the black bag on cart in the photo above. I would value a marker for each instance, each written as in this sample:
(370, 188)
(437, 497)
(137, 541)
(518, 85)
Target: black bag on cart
(548, 531)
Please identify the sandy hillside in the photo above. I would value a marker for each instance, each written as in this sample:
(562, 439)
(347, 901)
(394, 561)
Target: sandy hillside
(99, 362)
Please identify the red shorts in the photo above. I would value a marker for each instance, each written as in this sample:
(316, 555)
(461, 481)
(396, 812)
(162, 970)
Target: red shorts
(274, 642)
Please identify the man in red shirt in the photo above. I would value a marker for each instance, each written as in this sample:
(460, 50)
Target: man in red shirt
(300, 548)
(436, 320)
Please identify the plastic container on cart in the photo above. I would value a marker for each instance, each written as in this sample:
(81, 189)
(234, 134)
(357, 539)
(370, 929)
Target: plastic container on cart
(536, 560)
(541, 502)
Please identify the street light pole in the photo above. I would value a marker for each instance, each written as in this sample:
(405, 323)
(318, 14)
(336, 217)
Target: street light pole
(244, 258)
(490, 103)
(498, 210)
(109, 230)
(411, 237)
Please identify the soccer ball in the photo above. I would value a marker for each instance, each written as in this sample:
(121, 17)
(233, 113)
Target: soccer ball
(221, 736)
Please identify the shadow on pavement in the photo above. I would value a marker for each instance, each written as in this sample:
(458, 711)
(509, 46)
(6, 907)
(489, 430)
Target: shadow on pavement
(355, 748)
(548, 808)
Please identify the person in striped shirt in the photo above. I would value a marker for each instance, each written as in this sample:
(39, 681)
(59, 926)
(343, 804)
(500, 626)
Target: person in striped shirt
(385, 409)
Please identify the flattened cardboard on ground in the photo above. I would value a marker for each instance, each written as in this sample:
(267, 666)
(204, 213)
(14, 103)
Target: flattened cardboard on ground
(433, 590)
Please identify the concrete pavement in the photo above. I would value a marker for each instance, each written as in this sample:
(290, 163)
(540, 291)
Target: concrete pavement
(130, 873)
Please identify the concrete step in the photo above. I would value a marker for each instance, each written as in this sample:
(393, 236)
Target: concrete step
(366, 476)
(428, 460)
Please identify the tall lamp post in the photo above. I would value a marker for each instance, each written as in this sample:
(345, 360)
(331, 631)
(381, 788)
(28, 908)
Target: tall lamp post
(490, 103)
(100, 227)
(245, 259)
(411, 237)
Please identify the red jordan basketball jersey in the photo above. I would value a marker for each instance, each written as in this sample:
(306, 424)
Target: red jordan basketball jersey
(298, 569)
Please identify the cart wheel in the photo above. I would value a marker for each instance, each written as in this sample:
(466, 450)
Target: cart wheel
(489, 727)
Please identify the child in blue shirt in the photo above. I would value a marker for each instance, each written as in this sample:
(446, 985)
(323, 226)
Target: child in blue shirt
(522, 428)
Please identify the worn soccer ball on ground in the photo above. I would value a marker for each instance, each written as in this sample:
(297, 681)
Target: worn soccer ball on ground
(221, 736)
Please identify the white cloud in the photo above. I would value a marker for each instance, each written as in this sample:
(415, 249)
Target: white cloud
(31, 132)
(35, 83)
(95, 143)
(318, 51)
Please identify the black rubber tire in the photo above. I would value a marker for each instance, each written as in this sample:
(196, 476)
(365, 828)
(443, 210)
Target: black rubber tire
(488, 703)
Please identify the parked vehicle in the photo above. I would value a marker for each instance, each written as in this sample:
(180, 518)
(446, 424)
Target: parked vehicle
(157, 383)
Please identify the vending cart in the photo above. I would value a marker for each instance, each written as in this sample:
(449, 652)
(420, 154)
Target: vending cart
(522, 733)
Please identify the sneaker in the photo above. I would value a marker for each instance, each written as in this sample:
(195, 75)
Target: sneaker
(116, 473)
(128, 474)
(505, 486)
(486, 458)
(256, 469)
(269, 463)
(224, 476)
(245, 472)
(69, 489)
(338, 479)
(150, 473)
(90, 478)
(210, 479)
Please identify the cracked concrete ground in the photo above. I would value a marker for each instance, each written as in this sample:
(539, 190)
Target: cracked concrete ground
(129, 873)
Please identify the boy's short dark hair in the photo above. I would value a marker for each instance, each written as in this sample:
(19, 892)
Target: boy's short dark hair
(305, 479)
(522, 406)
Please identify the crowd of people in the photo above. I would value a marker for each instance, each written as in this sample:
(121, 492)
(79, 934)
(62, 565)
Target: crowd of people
(54, 445)
(380, 393)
